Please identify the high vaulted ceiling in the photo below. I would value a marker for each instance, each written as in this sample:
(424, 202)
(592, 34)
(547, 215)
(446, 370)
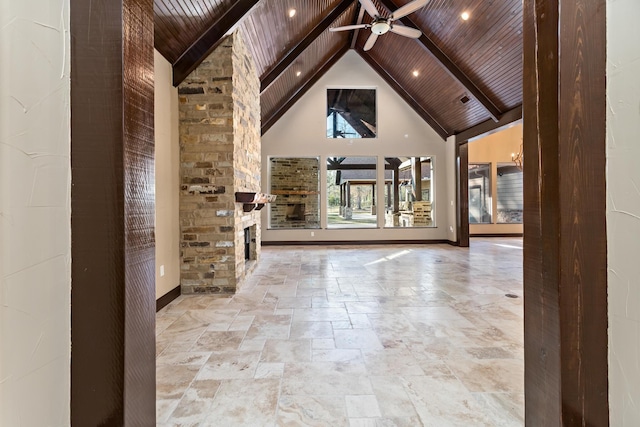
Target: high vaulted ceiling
(469, 72)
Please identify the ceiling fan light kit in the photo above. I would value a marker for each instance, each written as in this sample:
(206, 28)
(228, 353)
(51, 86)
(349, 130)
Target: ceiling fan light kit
(381, 25)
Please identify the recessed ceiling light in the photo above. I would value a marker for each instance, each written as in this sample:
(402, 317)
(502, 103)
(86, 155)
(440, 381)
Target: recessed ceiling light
(415, 73)
(465, 16)
(292, 13)
(298, 73)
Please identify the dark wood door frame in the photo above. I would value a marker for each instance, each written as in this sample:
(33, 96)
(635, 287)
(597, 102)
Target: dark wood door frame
(462, 194)
(565, 249)
(112, 214)
(113, 363)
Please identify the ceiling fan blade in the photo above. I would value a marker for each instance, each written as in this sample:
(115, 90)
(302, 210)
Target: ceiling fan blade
(349, 27)
(370, 8)
(414, 33)
(370, 41)
(407, 9)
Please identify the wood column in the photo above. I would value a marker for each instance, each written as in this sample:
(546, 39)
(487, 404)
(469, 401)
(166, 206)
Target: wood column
(565, 250)
(462, 190)
(416, 174)
(112, 220)
(396, 190)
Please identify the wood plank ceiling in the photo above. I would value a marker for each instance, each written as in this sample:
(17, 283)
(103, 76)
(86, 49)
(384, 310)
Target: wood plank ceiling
(469, 71)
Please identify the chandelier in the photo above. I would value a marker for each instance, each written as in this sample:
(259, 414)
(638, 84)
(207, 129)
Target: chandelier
(518, 158)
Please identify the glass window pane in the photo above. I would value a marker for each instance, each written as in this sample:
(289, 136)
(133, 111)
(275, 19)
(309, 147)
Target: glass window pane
(351, 113)
(480, 193)
(408, 195)
(510, 200)
(351, 192)
(296, 183)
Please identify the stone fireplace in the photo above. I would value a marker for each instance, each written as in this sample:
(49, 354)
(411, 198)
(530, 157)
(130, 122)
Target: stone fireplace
(219, 155)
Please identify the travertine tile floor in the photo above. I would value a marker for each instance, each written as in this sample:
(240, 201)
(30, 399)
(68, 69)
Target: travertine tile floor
(351, 336)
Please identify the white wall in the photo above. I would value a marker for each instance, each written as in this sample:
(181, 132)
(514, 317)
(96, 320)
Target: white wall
(495, 148)
(623, 210)
(35, 213)
(401, 132)
(167, 178)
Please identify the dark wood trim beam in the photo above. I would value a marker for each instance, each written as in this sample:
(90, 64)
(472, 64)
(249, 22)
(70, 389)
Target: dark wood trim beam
(112, 215)
(284, 107)
(352, 242)
(270, 76)
(353, 37)
(462, 195)
(450, 66)
(489, 125)
(417, 107)
(565, 236)
(210, 39)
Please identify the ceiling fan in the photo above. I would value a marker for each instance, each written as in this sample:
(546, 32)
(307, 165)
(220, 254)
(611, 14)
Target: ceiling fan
(382, 25)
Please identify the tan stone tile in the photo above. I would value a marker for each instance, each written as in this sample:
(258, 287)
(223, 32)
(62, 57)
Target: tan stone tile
(218, 341)
(229, 365)
(286, 351)
(244, 402)
(489, 375)
(173, 380)
(319, 411)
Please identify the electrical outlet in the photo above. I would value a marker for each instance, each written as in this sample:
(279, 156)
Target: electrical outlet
(313, 233)
(161, 270)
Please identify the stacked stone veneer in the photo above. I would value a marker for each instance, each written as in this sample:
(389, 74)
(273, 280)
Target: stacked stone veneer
(295, 181)
(219, 155)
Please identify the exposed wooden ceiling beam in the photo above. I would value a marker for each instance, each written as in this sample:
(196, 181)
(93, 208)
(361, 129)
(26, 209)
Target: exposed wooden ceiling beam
(285, 105)
(209, 40)
(417, 107)
(353, 37)
(449, 65)
(489, 125)
(270, 76)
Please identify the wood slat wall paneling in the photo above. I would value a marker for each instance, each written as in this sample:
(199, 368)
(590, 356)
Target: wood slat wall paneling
(489, 125)
(417, 107)
(295, 52)
(284, 106)
(565, 252)
(178, 23)
(307, 64)
(478, 46)
(112, 222)
(270, 33)
(209, 40)
(434, 88)
(449, 65)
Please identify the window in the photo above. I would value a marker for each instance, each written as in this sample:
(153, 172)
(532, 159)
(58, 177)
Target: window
(351, 113)
(296, 183)
(509, 198)
(480, 193)
(408, 191)
(351, 192)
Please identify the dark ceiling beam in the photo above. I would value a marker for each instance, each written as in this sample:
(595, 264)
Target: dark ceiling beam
(451, 68)
(209, 40)
(358, 166)
(489, 125)
(353, 37)
(285, 105)
(417, 107)
(270, 76)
